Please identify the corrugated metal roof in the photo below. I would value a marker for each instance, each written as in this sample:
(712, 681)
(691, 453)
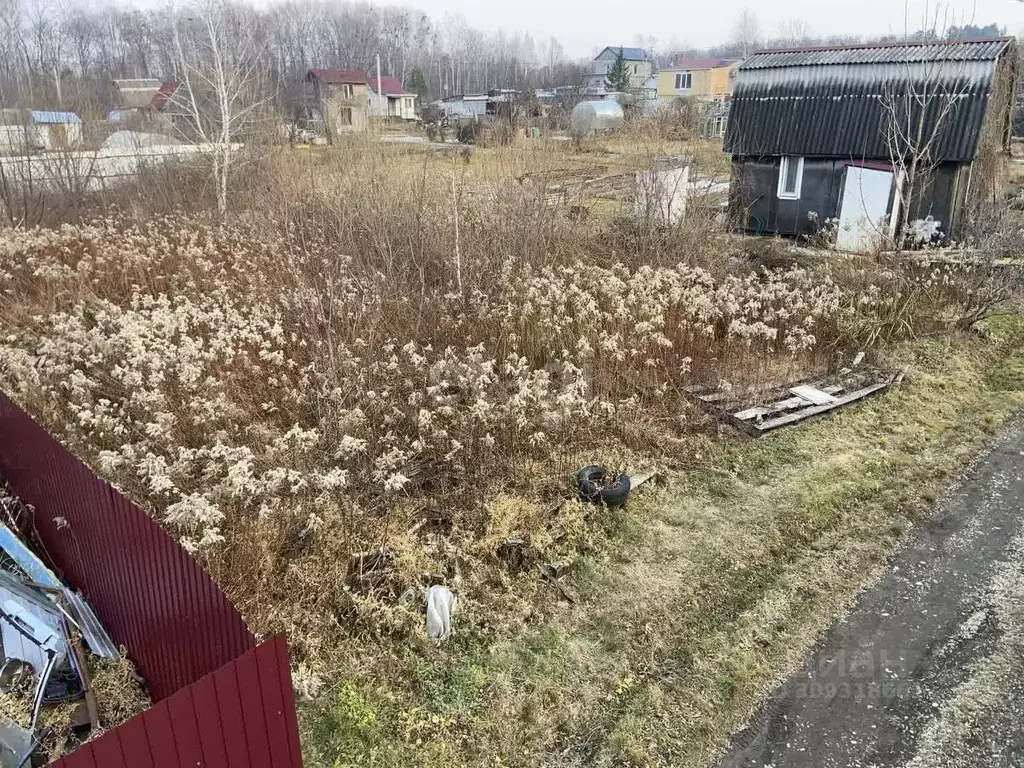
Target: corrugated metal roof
(392, 86)
(841, 102)
(629, 54)
(54, 117)
(895, 53)
(338, 76)
(164, 95)
(692, 64)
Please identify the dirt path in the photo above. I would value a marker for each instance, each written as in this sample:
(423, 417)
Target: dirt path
(928, 669)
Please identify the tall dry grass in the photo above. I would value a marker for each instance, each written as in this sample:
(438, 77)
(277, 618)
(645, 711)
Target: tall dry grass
(382, 334)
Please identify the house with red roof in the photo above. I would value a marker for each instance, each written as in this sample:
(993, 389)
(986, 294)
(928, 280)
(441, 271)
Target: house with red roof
(337, 99)
(389, 99)
(142, 98)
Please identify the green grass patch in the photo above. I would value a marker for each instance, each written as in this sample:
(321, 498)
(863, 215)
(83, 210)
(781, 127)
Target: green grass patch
(714, 585)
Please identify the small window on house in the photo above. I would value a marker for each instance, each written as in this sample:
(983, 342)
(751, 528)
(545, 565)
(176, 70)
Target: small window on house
(346, 91)
(791, 177)
(684, 81)
(634, 69)
(345, 116)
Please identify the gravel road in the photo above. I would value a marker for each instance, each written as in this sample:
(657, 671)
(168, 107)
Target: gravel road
(927, 671)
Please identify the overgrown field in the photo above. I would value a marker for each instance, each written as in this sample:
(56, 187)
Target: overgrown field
(394, 350)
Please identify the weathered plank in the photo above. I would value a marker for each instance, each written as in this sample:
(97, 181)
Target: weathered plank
(781, 405)
(635, 481)
(813, 394)
(817, 410)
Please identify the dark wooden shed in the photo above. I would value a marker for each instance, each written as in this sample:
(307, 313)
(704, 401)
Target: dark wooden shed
(850, 135)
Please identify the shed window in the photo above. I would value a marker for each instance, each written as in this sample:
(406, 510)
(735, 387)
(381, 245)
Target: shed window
(791, 176)
(684, 81)
(345, 116)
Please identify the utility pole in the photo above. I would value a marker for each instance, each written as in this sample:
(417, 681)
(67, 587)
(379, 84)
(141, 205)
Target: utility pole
(380, 94)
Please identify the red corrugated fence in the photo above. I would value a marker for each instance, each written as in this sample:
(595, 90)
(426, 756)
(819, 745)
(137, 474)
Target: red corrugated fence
(236, 716)
(215, 687)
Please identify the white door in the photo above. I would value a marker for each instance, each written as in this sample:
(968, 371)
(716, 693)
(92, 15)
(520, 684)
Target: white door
(863, 224)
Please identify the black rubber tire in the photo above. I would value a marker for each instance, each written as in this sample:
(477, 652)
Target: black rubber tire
(591, 487)
(616, 494)
(590, 481)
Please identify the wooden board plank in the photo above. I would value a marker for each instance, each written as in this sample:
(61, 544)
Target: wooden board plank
(782, 405)
(813, 394)
(751, 413)
(635, 481)
(817, 410)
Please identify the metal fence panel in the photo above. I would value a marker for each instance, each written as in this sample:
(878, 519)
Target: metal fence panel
(150, 594)
(204, 726)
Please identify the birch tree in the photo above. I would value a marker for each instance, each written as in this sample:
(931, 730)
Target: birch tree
(919, 99)
(746, 33)
(223, 85)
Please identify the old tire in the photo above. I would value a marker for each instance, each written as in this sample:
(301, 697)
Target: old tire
(590, 482)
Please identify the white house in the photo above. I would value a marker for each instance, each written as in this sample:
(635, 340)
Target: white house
(27, 130)
(395, 102)
(638, 63)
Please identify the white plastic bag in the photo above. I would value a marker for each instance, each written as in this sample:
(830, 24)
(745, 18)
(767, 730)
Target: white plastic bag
(440, 608)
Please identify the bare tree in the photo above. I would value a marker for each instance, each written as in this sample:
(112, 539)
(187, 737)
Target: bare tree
(794, 31)
(223, 86)
(54, 51)
(746, 33)
(919, 99)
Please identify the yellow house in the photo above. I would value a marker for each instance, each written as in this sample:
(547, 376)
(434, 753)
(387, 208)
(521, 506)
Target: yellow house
(697, 78)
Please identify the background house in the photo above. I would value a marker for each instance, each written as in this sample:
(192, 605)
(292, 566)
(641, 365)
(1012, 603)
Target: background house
(813, 135)
(149, 104)
(132, 95)
(339, 98)
(397, 103)
(465, 105)
(26, 130)
(55, 130)
(698, 78)
(638, 61)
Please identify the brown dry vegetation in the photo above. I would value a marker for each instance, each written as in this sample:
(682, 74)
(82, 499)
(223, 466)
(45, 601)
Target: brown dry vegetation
(383, 335)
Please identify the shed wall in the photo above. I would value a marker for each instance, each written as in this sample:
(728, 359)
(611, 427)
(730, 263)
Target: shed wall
(756, 207)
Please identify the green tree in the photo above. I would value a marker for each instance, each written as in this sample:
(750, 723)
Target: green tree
(617, 78)
(418, 84)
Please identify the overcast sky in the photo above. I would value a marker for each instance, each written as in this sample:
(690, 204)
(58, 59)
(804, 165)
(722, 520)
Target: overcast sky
(584, 26)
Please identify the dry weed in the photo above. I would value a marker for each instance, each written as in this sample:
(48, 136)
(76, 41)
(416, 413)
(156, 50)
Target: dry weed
(378, 338)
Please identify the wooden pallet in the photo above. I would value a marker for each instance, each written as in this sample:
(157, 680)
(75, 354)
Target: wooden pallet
(793, 404)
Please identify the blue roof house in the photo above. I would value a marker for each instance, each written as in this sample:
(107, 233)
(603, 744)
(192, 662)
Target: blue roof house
(54, 130)
(29, 130)
(639, 62)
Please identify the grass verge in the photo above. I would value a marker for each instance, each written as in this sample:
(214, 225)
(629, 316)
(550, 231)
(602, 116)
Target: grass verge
(716, 583)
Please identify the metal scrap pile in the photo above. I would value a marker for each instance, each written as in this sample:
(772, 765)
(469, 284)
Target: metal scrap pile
(46, 632)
